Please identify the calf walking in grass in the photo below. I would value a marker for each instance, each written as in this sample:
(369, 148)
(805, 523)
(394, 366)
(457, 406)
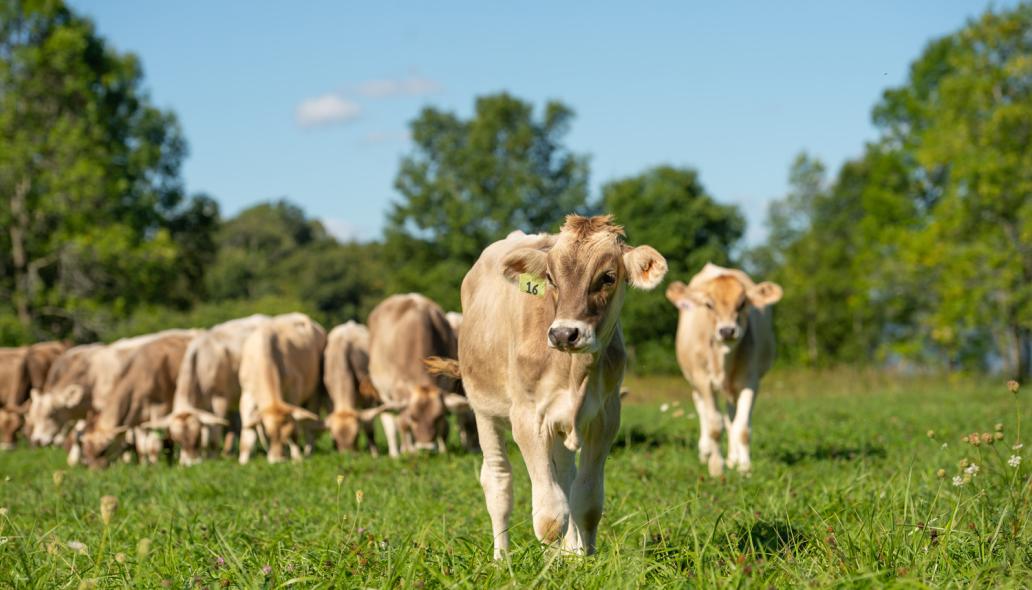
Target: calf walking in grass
(542, 353)
(725, 344)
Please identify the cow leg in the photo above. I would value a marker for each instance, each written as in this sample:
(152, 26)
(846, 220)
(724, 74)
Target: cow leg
(219, 407)
(370, 436)
(711, 422)
(551, 468)
(496, 479)
(390, 430)
(248, 437)
(732, 442)
(588, 491)
(739, 433)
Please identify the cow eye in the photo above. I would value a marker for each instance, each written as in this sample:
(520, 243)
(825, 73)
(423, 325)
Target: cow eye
(548, 277)
(709, 305)
(607, 279)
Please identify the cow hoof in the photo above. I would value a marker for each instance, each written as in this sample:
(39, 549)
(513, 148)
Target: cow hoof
(716, 465)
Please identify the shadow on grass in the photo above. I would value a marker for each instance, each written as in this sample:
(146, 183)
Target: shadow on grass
(635, 437)
(770, 538)
(831, 453)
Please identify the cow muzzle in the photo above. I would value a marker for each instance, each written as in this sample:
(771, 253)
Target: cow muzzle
(571, 336)
(728, 333)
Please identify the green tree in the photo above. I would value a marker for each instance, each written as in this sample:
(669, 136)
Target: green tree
(964, 118)
(470, 182)
(668, 209)
(95, 218)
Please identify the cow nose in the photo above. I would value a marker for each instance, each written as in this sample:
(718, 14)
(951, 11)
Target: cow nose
(561, 336)
(727, 332)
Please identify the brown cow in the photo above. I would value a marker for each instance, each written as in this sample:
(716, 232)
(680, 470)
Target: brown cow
(22, 370)
(404, 330)
(65, 396)
(280, 373)
(542, 352)
(725, 344)
(208, 388)
(346, 376)
(142, 390)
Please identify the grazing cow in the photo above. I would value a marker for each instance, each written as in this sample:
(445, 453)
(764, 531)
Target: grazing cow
(22, 371)
(725, 344)
(280, 371)
(346, 376)
(142, 390)
(78, 381)
(208, 389)
(404, 330)
(65, 395)
(542, 352)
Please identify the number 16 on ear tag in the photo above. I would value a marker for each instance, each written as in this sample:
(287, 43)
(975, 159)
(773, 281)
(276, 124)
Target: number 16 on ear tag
(532, 285)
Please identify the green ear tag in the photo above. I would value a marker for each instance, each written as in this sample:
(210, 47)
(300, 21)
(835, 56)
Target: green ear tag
(532, 285)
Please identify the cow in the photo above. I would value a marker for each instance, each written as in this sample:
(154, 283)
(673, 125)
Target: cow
(403, 330)
(22, 371)
(454, 320)
(280, 372)
(142, 390)
(207, 388)
(346, 377)
(542, 353)
(78, 381)
(725, 344)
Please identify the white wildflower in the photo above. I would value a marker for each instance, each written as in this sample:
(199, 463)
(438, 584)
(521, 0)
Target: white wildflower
(972, 469)
(77, 546)
(958, 481)
(1014, 461)
(944, 445)
(664, 407)
(1018, 447)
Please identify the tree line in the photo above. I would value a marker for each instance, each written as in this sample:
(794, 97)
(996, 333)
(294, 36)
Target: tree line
(917, 253)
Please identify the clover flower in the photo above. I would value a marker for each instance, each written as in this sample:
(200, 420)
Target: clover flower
(664, 407)
(972, 469)
(1014, 461)
(77, 546)
(958, 481)
(1013, 386)
(940, 473)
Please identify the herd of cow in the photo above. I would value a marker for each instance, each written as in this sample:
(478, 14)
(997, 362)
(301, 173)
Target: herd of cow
(538, 352)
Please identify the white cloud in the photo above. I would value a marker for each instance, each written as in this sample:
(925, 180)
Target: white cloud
(344, 231)
(326, 110)
(413, 85)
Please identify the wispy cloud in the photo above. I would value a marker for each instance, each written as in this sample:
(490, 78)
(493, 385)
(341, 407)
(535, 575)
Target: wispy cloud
(327, 110)
(413, 85)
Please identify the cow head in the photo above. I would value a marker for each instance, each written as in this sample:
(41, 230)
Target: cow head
(345, 424)
(185, 428)
(726, 300)
(280, 422)
(425, 416)
(585, 271)
(51, 411)
(100, 445)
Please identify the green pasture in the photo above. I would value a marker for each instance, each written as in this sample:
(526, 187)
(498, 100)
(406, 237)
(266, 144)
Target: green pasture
(845, 493)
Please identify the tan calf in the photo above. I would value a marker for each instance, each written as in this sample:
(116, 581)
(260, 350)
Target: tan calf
(725, 344)
(345, 370)
(280, 371)
(404, 330)
(142, 390)
(208, 389)
(542, 352)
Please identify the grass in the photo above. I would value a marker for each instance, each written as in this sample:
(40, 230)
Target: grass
(845, 493)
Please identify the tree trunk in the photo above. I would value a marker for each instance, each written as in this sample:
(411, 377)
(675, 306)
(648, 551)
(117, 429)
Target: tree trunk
(19, 257)
(1022, 353)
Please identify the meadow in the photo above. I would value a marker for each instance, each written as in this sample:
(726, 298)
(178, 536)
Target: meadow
(846, 492)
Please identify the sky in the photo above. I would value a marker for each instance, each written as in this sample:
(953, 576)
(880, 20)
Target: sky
(311, 101)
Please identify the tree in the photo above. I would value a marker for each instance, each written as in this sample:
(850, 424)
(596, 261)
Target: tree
(90, 195)
(470, 182)
(668, 209)
(964, 117)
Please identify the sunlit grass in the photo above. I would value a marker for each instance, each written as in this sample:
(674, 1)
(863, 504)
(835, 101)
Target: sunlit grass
(845, 492)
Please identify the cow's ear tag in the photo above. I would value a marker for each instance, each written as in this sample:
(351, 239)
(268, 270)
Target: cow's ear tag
(532, 285)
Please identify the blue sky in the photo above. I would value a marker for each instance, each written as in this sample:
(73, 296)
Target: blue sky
(311, 100)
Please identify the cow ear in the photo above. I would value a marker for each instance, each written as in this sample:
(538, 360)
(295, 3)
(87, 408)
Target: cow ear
(209, 419)
(73, 395)
(367, 389)
(764, 294)
(370, 414)
(684, 297)
(524, 261)
(161, 423)
(645, 267)
(298, 413)
(456, 403)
